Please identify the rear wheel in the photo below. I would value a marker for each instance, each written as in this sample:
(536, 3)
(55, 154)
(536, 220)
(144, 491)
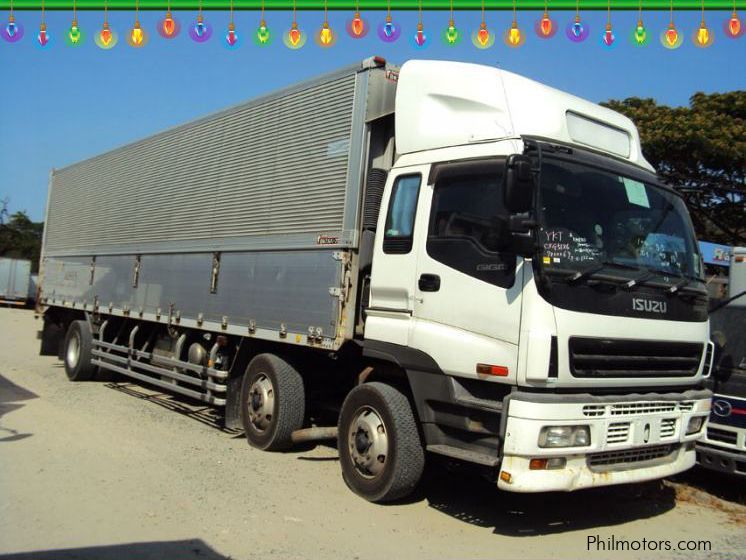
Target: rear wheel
(380, 448)
(77, 352)
(273, 403)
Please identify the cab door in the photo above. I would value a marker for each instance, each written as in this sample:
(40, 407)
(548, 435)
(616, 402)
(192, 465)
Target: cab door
(467, 297)
(392, 282)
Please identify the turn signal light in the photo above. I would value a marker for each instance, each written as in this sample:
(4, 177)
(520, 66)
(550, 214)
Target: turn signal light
(487, 369)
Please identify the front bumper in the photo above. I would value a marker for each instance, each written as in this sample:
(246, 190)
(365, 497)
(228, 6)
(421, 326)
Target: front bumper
(721, 460)
(634, 438)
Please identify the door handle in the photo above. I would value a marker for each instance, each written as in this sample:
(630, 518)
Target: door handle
(429, 283)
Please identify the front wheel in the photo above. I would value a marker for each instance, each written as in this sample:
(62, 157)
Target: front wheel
(380, 448)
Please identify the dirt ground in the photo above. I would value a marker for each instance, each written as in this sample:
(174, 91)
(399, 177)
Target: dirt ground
(117, 470)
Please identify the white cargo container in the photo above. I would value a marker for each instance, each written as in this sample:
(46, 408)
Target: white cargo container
(14, 281)
(447, 259)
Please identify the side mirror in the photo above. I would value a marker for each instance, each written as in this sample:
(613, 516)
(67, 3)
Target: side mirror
(518, 186)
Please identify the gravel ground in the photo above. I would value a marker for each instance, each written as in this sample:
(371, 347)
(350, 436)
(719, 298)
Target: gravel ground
(117, 470)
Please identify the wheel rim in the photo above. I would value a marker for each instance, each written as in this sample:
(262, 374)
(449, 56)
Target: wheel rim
(261, 403)
(73, 350)
(368, 442)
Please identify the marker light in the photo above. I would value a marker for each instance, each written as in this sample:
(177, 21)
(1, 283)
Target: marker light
(703, 37)
(168, 27)
(488, 369)
(577, 31)
(420, 38)
(388, 31)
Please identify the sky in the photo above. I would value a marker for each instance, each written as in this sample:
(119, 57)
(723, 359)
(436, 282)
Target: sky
(66, 104)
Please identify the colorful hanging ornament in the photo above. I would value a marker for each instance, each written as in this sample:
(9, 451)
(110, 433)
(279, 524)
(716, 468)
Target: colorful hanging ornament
(639, 35)
(106, 38)
(326, 37)
(703, 37)
(12, 32)
(168, 27)
(545, 27)
(231, 37)
(607, 37)
(43, 38)
(483, 38)
(388, 31)
(576, 30)
(357, 27)
(451, 35)
(419, 39)
(294, 38)
(74, 36)
(514, 37)
(733, 27)
(137, 37)
(671, 38)
(263, 36)
(200, 31)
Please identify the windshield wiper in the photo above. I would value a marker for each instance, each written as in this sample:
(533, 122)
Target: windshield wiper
(598, 267)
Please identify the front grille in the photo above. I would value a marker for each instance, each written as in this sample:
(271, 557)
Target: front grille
(722, 435)
(632, 408)
(668, 427)
(611, 460)
(606, 358)
(618, 432)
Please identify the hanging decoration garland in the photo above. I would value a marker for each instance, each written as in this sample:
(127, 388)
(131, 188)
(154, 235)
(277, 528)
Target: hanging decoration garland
(231, 37)
(545, 27)
(388, 31)
(13, 30)
(168, 27)
(671, 38)
(74, 36)
(42, 38)
(326, 37)
(200, 31)
(514, 37)
(137, 37)
(451, 35)
(263, 36)
(639, 36)
(483, 38)
(703, 37)
(607, 37)
(294, 38)
(357, 27)
(577, 31)
(733, 27)
(419, 39)
(106, 38)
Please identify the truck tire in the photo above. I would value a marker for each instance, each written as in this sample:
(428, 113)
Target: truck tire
(380, 448)
(77, 352)
(273, 402)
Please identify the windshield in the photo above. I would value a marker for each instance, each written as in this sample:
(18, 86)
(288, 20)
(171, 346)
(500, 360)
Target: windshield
(593, 218)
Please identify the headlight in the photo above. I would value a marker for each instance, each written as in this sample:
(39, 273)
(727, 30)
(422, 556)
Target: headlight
(565, 436)
(695, 424)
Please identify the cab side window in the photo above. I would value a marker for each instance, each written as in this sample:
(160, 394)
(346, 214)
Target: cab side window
(397, 238)
(468, 227)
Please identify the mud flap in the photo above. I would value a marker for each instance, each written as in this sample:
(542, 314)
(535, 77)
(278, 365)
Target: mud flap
(233, 403)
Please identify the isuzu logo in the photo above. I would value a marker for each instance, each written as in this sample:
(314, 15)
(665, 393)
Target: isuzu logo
(722, 408)
(649, 305)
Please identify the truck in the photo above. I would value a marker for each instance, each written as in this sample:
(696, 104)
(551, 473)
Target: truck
(15, 280)
(438, 259)
(723, 446)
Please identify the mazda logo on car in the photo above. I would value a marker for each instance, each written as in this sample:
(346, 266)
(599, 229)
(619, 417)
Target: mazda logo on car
(721, 408)
(649, 305)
